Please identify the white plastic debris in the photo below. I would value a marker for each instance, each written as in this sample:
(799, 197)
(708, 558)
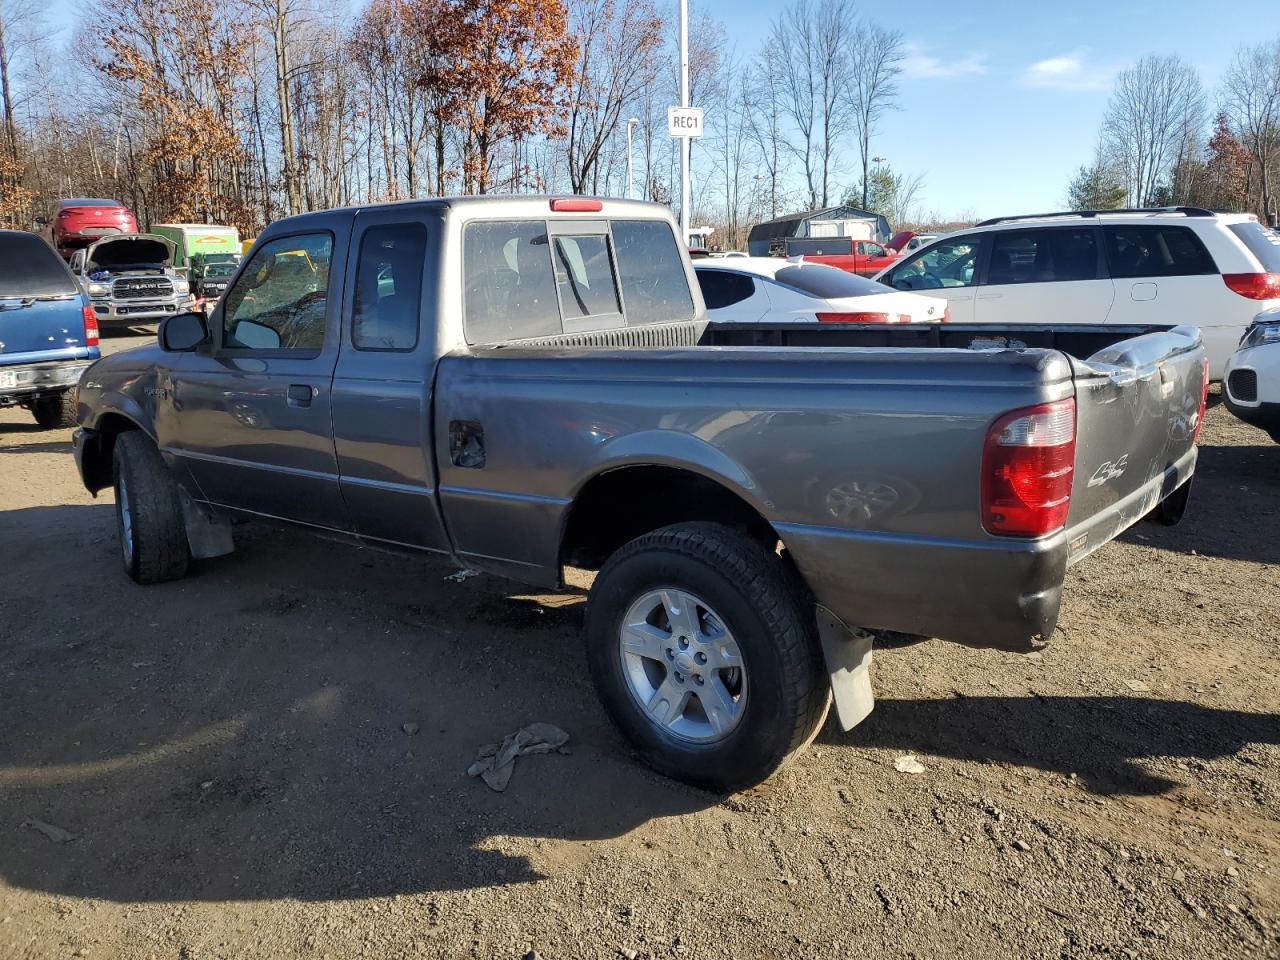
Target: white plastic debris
(908, 764)
(466, 573)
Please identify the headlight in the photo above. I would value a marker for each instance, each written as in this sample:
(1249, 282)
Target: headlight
(1261, 333)
(99, 289)
(180, 285)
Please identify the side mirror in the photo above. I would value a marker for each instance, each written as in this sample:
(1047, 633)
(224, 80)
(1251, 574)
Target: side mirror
(256, 336)
(183, 332)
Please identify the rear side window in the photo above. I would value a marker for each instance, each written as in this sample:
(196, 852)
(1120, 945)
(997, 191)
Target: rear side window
(820, 280)
(724, 288)
(1043, 256)
(1262, 243)
(584, 277)
(651, 270)
(1156, 251)
(384, 315)
(510, 291)
(32, 269)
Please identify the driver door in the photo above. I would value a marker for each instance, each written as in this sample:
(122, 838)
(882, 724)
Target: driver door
(253, 409)
(946, 268)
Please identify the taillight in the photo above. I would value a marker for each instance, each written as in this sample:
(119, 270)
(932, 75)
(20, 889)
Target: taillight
(90, 327)
(1204, 397)
(864, 317)
(1027, 470)
(1255, 286)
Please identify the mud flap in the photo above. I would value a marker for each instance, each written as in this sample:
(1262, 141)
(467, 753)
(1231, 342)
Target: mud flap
(207, 535)
(848, 656)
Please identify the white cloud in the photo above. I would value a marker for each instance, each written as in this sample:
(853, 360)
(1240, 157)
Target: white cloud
(917, 63)
(1069, 71)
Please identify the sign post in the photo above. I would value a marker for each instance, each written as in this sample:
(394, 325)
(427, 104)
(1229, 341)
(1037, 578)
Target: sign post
(685, 219)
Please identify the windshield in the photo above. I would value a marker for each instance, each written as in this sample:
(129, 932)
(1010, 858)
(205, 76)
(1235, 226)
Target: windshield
(1262, 243)
(220, 270)
(819, 280)
(32, 269)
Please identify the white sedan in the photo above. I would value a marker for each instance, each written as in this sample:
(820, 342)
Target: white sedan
(752, 289)
(1251, 385)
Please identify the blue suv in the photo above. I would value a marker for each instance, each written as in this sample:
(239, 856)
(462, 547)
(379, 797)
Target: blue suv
(48, 331)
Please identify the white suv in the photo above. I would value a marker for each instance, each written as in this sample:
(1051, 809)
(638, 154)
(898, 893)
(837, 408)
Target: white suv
(1178, 265)
(1252, 384)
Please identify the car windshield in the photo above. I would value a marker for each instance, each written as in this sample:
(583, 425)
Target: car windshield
(828, 283)
(32, 269)
(1262, 243)
(220, 270)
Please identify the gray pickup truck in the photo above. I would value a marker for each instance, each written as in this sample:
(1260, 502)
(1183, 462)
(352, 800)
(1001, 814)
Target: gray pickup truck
(522, 385)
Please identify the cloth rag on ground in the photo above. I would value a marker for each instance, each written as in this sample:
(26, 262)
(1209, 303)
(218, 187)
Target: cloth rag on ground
(495, 761)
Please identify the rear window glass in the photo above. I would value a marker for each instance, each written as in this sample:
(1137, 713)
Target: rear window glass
(1156, 251)
(820, 280)
(510, 292)
(820, 247)
(654, 286)
(1262, 243)
(584, 277)
(32, 269)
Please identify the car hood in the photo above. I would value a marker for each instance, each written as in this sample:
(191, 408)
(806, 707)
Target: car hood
(130, 248)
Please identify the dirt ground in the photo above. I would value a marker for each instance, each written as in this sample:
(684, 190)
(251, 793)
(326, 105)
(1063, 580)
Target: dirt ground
(229, 755)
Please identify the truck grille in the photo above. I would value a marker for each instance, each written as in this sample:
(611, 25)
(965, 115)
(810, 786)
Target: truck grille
(1243, 385)
(142, 288)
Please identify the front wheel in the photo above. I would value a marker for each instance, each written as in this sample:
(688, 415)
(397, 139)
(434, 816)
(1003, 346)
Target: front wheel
(153, 537)
(704, 655)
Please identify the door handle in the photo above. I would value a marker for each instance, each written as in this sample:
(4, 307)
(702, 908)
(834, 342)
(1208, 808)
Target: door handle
(990, 296)
(300, 394)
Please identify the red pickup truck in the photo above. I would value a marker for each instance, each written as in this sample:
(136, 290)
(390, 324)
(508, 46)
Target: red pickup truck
(863, 257)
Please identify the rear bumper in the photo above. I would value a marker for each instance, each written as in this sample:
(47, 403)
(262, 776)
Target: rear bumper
(33, 379)
(982, 593)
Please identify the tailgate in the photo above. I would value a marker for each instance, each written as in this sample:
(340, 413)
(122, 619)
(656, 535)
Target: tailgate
(1137, 408)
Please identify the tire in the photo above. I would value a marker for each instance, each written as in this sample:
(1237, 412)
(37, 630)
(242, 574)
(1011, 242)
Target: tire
(1169, 511)
(56, 411)
(721, 584)
(1275, 435)
(153, 537)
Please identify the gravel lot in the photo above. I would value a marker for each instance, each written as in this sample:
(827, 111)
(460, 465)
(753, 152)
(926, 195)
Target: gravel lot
(229, 753)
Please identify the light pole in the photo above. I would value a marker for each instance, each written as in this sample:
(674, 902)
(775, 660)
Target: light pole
(877, 161)
(631, 124)
(684, 102)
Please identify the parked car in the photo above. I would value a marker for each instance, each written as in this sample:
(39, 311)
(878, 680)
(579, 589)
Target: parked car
(130, 279)
(749, 289)
(863, 257)
(1251, 387)
(78, 223)
(908, 241)
(1181, 265)
(192, 241)
(487, 380)
(48, 334)
(210, 273)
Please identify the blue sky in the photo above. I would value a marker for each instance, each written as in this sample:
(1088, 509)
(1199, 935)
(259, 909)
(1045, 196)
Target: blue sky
(1001, 100)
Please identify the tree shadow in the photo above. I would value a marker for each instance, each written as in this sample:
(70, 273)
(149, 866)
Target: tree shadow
(1096, 738)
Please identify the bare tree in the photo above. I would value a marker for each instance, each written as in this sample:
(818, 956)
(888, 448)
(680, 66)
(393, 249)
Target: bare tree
(875, 57)
(1156, 109)
(765, 119)
(618, 43)
(1251, 100)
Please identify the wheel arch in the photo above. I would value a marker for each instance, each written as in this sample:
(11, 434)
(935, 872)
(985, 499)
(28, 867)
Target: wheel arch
(624, 501)
(99, 452)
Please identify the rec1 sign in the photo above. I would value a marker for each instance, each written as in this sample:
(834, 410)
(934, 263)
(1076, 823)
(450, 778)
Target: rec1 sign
(684, 121)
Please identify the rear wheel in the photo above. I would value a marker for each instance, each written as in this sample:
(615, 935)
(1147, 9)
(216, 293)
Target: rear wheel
(153, 538)
(56, 411)
(705, 656)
